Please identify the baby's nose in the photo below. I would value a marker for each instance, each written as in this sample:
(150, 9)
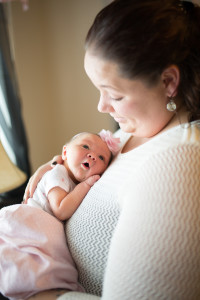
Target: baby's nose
(91, 156)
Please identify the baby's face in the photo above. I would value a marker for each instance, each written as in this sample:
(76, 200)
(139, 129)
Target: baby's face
(86, 155)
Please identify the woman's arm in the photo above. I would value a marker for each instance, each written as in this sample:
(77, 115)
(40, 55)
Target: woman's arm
(154, 252)
(64, 204)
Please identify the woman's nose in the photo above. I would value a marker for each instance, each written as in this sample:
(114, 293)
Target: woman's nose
(104, 105)
(92, 156)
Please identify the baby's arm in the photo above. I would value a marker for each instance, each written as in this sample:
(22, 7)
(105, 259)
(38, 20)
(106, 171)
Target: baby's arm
(64, 204)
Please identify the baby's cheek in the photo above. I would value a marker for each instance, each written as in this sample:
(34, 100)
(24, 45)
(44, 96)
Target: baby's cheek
(102, 169)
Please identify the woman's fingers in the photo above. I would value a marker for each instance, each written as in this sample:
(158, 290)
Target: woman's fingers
(57, 160)
(27, 192)
(34, 182)
(31, 186)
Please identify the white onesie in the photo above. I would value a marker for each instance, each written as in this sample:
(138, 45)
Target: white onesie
(58, 176)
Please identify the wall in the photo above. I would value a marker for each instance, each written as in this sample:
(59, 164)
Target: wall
(57, 98)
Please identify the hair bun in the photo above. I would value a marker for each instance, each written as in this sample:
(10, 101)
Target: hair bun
(188, 6)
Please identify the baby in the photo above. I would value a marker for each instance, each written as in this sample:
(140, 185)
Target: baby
(85, 158)
(33, 251)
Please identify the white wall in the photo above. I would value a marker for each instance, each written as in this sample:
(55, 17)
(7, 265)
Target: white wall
(58, 99)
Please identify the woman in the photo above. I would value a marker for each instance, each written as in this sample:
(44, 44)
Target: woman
(139, 224)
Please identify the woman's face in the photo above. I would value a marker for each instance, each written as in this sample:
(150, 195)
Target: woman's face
(136, 107)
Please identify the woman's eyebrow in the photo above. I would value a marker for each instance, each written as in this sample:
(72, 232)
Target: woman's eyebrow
(108, 86)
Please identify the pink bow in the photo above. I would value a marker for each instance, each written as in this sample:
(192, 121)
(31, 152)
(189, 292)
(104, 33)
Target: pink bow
(111, 141)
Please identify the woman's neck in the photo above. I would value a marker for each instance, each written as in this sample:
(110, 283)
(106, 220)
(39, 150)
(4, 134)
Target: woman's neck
(180, 117)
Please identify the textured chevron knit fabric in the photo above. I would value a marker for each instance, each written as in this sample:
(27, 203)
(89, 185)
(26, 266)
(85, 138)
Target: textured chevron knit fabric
(145, 213)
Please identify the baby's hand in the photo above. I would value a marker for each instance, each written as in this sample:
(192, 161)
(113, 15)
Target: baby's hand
(92, 179)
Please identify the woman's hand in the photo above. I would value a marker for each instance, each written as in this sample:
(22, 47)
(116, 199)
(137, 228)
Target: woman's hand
(57, 160)
(35, 178)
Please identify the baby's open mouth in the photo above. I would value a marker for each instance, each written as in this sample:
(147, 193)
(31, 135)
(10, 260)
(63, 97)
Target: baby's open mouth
(86, 165)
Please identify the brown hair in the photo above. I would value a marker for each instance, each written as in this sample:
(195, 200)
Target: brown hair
(145, 36)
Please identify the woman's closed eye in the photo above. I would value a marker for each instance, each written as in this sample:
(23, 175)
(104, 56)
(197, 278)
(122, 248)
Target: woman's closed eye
(116, 98)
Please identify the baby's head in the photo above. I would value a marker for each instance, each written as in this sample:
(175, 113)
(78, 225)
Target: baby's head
(86, 154)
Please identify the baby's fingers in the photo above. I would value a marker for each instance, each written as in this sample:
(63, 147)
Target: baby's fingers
(91, 180)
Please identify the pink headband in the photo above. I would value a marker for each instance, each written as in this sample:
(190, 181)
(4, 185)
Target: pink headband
(111, 141)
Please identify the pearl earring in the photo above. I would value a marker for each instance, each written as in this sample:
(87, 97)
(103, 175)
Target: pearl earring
(171, 105)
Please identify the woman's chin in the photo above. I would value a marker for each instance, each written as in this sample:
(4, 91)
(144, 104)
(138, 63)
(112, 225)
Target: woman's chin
(126, 128)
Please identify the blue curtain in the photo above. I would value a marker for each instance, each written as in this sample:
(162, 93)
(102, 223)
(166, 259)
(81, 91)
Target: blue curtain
(12, 131)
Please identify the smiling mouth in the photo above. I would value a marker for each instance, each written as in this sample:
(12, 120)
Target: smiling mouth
(119, 120)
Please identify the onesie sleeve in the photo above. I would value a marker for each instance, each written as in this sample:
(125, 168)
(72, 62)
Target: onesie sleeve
(57, 177)
(155, 250)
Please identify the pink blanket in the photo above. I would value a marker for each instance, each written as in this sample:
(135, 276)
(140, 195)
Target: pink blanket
(33, 253)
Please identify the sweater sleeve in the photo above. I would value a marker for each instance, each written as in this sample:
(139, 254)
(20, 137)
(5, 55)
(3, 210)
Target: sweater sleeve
(155, 250)
(77, 296)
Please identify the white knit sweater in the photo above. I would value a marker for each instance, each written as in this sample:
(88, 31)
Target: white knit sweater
(154, 244)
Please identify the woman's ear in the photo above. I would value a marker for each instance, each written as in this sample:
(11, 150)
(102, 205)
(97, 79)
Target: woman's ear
(64, 152)
(171, 80)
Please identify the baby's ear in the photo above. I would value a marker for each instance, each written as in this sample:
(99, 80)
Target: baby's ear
(64, 152)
